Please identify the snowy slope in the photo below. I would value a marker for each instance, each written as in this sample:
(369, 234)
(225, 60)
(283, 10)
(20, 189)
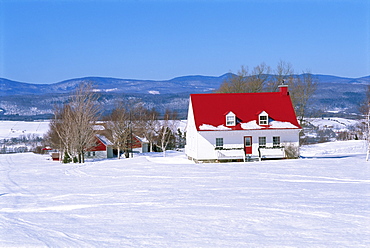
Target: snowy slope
(14, 129)
(321, 200)
(337, 124)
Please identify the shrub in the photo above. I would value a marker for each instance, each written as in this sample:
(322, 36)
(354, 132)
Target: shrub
(66, 158)
(291, 151)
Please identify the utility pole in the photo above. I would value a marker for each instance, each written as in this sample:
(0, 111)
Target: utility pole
(368, 131)
(131, 152)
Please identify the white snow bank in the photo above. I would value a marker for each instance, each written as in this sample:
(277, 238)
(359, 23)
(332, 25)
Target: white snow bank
(250, 125)
(210, 127)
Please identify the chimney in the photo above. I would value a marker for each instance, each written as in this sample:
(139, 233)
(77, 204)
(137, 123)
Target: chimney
(284, 90)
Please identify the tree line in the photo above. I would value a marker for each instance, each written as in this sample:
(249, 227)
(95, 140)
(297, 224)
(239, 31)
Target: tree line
(262, 78)
(73, 128)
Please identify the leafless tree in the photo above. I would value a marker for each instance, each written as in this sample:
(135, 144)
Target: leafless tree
(259, 78)
(364, 106)
(74, 121)
(245, 82)
(302, 89)
(283, 74)
(167, 130)
(236, 83)
(365, 110)
(85, 110)
(60, 134)
(148, 125)
(120, 123)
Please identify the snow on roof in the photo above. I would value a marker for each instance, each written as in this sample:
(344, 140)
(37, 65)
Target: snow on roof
(104, 139)
(98, 127)
(250, 125)
(142, 139)
(281, 124)
(209, 110)
(210, 127)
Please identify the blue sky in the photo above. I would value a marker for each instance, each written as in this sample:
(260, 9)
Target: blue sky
(50, 41)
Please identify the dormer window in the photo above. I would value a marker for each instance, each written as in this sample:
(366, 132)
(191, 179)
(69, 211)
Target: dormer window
(230, 119)
(263, 118)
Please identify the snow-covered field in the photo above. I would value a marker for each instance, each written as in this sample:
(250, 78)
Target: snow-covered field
(320, 200)
(335, 123)
(14, 129)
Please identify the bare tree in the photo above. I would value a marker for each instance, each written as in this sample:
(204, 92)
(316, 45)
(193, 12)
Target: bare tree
(148, 124)
(236, 83)
(73, 123)
(120, 124)
(167, 130)
(258, 78)
(302, 89)
(283, 74)
(60, 133)
(364, 106)
(245, 82)
(86, 110)
(365, 110)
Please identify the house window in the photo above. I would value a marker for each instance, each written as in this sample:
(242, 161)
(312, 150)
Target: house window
(276, 141)
(262, 141)
(230, 119)
(263, 118)
(219, 142)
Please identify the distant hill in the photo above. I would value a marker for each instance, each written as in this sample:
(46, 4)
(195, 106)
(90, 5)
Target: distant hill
(334, 94)
(186, 84)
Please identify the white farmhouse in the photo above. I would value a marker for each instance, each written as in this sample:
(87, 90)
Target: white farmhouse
(241, 126)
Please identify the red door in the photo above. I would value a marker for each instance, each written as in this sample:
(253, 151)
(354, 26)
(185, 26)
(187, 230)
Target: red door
(248, 144)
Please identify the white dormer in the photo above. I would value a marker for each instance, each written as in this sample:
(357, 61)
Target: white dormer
(230, 119)
(263, 118)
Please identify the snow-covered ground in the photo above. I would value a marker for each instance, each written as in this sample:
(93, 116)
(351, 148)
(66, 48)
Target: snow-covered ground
(14, 129)
(335, 123)
(320, 200)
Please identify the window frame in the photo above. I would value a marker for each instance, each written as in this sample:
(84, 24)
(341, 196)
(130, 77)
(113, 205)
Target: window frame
(219, 142)
(276, 143)
(230, 119)
(263, 119)
(262, 142)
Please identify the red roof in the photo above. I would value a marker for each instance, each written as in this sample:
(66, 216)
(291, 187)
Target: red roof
(102, 142)
(100, 146)
(210, 109)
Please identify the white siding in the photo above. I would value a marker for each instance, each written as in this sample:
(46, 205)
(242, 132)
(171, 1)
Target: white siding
(191, 134)
(205, 142)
